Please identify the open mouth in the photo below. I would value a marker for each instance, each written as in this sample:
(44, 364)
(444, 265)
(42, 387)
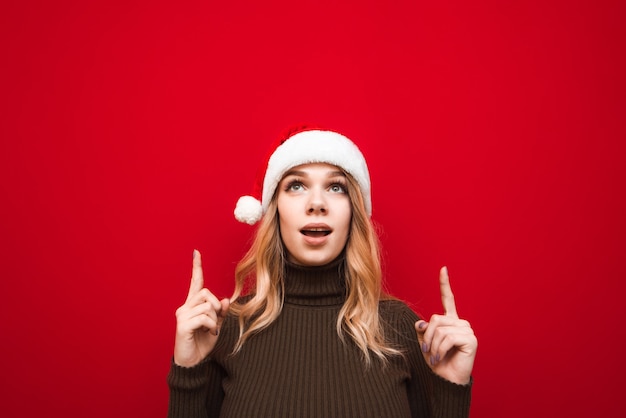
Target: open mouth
(315, 232)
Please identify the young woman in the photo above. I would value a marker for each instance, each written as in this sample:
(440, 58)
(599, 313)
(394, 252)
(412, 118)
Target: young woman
(308, 331)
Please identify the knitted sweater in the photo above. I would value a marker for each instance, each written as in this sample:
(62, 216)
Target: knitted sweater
(298, 366)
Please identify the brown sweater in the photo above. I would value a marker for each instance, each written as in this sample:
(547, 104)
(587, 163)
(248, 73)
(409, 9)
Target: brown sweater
(298, 367)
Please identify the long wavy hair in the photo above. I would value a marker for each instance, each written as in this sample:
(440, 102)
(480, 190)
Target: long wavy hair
(260, 275)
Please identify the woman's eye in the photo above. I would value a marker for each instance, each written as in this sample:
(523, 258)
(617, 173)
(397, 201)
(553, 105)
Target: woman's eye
(295, 187)
(338, 188)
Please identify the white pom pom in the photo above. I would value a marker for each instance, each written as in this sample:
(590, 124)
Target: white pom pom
(248, 210)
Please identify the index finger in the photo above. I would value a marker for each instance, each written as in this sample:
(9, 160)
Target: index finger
(197, 277)
(447, 297)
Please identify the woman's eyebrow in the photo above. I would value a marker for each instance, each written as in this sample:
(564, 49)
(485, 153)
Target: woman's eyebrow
(302, 173)
(296, 173)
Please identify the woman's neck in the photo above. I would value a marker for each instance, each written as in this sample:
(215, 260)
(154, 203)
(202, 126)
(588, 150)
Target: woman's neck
(315, 285)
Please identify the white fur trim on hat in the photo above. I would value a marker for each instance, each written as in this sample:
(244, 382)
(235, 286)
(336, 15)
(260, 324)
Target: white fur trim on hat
(317, 146)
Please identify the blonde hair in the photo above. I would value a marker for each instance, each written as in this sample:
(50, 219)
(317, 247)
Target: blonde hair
(263, 268)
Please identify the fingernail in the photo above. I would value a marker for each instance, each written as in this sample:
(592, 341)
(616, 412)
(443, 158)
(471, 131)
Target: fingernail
(437, 358)
(217, 332)
(421, 325)
(432, 361)
(424, 347)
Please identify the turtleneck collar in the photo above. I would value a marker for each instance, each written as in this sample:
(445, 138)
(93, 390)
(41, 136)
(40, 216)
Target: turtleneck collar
(315, 286)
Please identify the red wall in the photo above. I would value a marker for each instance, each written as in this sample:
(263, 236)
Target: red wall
(494, 131)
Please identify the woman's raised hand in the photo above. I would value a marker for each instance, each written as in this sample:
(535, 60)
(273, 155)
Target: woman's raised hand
(198, 321)
(448, 343)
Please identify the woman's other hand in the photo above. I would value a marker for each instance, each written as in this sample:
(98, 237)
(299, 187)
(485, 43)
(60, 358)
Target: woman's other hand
(198, 320)
(448, 343)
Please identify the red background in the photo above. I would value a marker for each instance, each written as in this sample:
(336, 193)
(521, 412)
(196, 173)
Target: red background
(495, 136)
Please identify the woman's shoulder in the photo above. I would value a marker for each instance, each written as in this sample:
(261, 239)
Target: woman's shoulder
(393, 310)
(398, 320)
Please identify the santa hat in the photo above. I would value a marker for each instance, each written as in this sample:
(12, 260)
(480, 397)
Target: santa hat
(297, 146)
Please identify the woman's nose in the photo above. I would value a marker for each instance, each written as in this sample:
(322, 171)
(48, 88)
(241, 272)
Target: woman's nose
(317, 203)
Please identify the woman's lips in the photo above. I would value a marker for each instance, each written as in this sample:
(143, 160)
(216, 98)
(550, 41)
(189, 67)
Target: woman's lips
(316, 234)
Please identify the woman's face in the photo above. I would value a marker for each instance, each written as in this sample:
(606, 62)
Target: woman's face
(314, 213)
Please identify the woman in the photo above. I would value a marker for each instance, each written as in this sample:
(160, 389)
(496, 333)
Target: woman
(308, 331)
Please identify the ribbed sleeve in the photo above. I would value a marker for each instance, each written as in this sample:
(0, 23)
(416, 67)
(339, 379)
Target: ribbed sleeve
(450, 399)
(195, 392)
